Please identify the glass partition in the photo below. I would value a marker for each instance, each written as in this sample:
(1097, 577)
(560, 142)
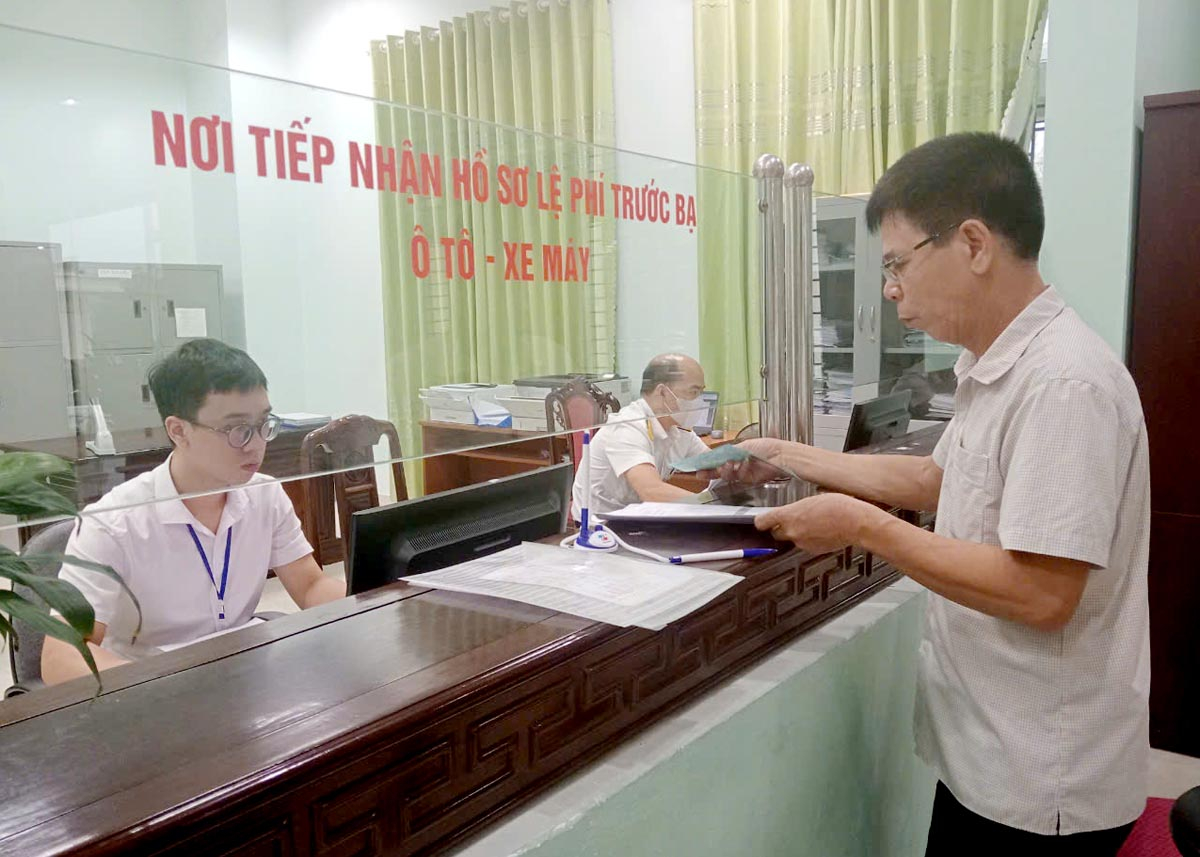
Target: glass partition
(439, 275)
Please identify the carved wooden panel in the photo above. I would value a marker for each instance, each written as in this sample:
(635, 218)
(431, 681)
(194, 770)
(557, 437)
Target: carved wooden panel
(417, 791)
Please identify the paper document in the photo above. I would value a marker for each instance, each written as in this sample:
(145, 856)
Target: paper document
(601, 586)
(708, 513)
(191, 322)
(170, 647)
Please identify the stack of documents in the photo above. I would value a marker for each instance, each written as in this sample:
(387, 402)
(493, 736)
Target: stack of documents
(941, 407)
(684, 513)
(604, 587)
(301, 420)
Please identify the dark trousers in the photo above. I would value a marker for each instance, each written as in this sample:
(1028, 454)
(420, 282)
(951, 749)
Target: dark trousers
(955, 831)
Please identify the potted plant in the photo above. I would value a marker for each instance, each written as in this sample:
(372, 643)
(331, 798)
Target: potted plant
(31, 489)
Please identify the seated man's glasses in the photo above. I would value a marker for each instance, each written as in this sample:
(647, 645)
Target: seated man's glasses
(241, 434)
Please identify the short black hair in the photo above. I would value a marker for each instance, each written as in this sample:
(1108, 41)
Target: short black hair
(182, 380)
(663, 369)
(962, 176)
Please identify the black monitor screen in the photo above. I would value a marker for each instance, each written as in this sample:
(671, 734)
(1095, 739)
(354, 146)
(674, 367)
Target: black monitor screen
(878, 420)
(415, 536)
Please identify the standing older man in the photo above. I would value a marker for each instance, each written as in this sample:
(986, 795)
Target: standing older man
(1032, 703)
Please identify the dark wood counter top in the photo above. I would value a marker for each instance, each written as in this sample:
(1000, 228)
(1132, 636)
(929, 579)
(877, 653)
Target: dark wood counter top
(394, 722)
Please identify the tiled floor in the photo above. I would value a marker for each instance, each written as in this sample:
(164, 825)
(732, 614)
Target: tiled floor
(1172, 774)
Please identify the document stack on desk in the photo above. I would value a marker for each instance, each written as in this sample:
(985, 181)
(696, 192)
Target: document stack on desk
(686, 513)
(601, 586)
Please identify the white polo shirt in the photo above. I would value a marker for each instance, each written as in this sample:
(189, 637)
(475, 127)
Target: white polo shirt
(1046, 731)
(631, 436)
(150, 546)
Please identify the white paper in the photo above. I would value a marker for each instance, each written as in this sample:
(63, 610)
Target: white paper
(191, 322)
(712, 513)
(170, 647)
(601, 586)
(629, 587)
(114, 273)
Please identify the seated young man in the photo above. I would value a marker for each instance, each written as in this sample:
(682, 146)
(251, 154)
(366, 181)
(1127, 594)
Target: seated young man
(197, 565)
(633, 453)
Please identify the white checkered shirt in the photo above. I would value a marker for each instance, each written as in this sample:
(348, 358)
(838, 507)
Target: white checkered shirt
(1046, 731)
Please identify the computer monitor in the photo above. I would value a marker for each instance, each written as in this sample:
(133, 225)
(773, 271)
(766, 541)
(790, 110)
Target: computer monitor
(877, 420)
(414, 536)
(705, 426)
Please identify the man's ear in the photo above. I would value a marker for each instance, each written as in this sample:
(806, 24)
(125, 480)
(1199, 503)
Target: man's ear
(981, 244)
(177, 430)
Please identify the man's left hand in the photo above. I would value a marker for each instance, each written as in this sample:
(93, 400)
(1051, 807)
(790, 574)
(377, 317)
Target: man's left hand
(820, 524)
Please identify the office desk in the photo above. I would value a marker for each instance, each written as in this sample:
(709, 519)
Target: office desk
(396, 722)
(140, 450)
(462, 462)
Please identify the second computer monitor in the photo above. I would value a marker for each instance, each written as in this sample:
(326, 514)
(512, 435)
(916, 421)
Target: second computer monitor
(878, 420)
(414, 536)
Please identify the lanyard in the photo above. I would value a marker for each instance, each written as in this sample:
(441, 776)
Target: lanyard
(224, 572)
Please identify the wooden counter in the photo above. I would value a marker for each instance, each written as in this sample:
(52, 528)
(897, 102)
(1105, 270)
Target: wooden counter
(394, 722)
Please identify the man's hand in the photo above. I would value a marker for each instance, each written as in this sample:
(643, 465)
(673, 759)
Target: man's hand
(821, 524)
(753, 472)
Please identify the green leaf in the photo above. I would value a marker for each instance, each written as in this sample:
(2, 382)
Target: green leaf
(64, 559)
(8, 632)
(40, 620)
(59, 596)
(35, 484)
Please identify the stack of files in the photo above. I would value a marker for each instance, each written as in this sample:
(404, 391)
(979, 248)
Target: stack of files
(917, 338)
(682, 513)
(301, 420)
(941, 407)
(603, 587)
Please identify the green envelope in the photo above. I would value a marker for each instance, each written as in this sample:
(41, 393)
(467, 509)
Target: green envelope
(714, 458)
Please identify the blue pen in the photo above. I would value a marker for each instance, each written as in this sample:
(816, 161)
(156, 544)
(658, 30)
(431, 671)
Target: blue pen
(745, 553)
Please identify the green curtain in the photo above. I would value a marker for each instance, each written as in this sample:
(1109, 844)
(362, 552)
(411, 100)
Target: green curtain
(846, 86)
(539, 77)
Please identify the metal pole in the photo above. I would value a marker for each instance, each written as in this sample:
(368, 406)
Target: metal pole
(798, 217)
(768, 170)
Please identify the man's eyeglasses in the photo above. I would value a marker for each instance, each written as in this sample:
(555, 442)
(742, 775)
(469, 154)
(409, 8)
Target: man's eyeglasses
(239, 436)
(892, 267)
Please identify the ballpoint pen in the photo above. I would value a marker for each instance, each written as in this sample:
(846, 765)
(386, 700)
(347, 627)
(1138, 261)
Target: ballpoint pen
(711, 556)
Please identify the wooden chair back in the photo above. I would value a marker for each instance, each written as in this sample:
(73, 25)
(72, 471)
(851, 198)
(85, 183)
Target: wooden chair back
(575, 406)
(344, 443)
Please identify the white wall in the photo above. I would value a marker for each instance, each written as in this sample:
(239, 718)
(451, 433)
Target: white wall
(1099, 69)
(1168, 57)
(654, 84)
(301, 261)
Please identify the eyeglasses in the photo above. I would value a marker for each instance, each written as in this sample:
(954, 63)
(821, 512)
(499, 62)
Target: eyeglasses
(892, 267)
(240, 435)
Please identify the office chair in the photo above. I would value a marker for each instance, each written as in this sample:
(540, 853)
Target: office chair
(346, 442)
(578, 404)
(26, 661)
(1185, 823)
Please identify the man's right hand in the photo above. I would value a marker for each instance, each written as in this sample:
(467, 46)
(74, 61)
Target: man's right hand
(753, 471)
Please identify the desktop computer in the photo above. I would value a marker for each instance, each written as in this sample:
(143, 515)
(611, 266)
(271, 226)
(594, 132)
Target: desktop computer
(428, 533)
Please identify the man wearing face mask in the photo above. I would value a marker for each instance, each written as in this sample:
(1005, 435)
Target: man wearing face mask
(631, 454)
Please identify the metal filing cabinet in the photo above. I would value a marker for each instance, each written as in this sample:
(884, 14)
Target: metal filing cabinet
(35, 391)
(189, 300)
(124, 318)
